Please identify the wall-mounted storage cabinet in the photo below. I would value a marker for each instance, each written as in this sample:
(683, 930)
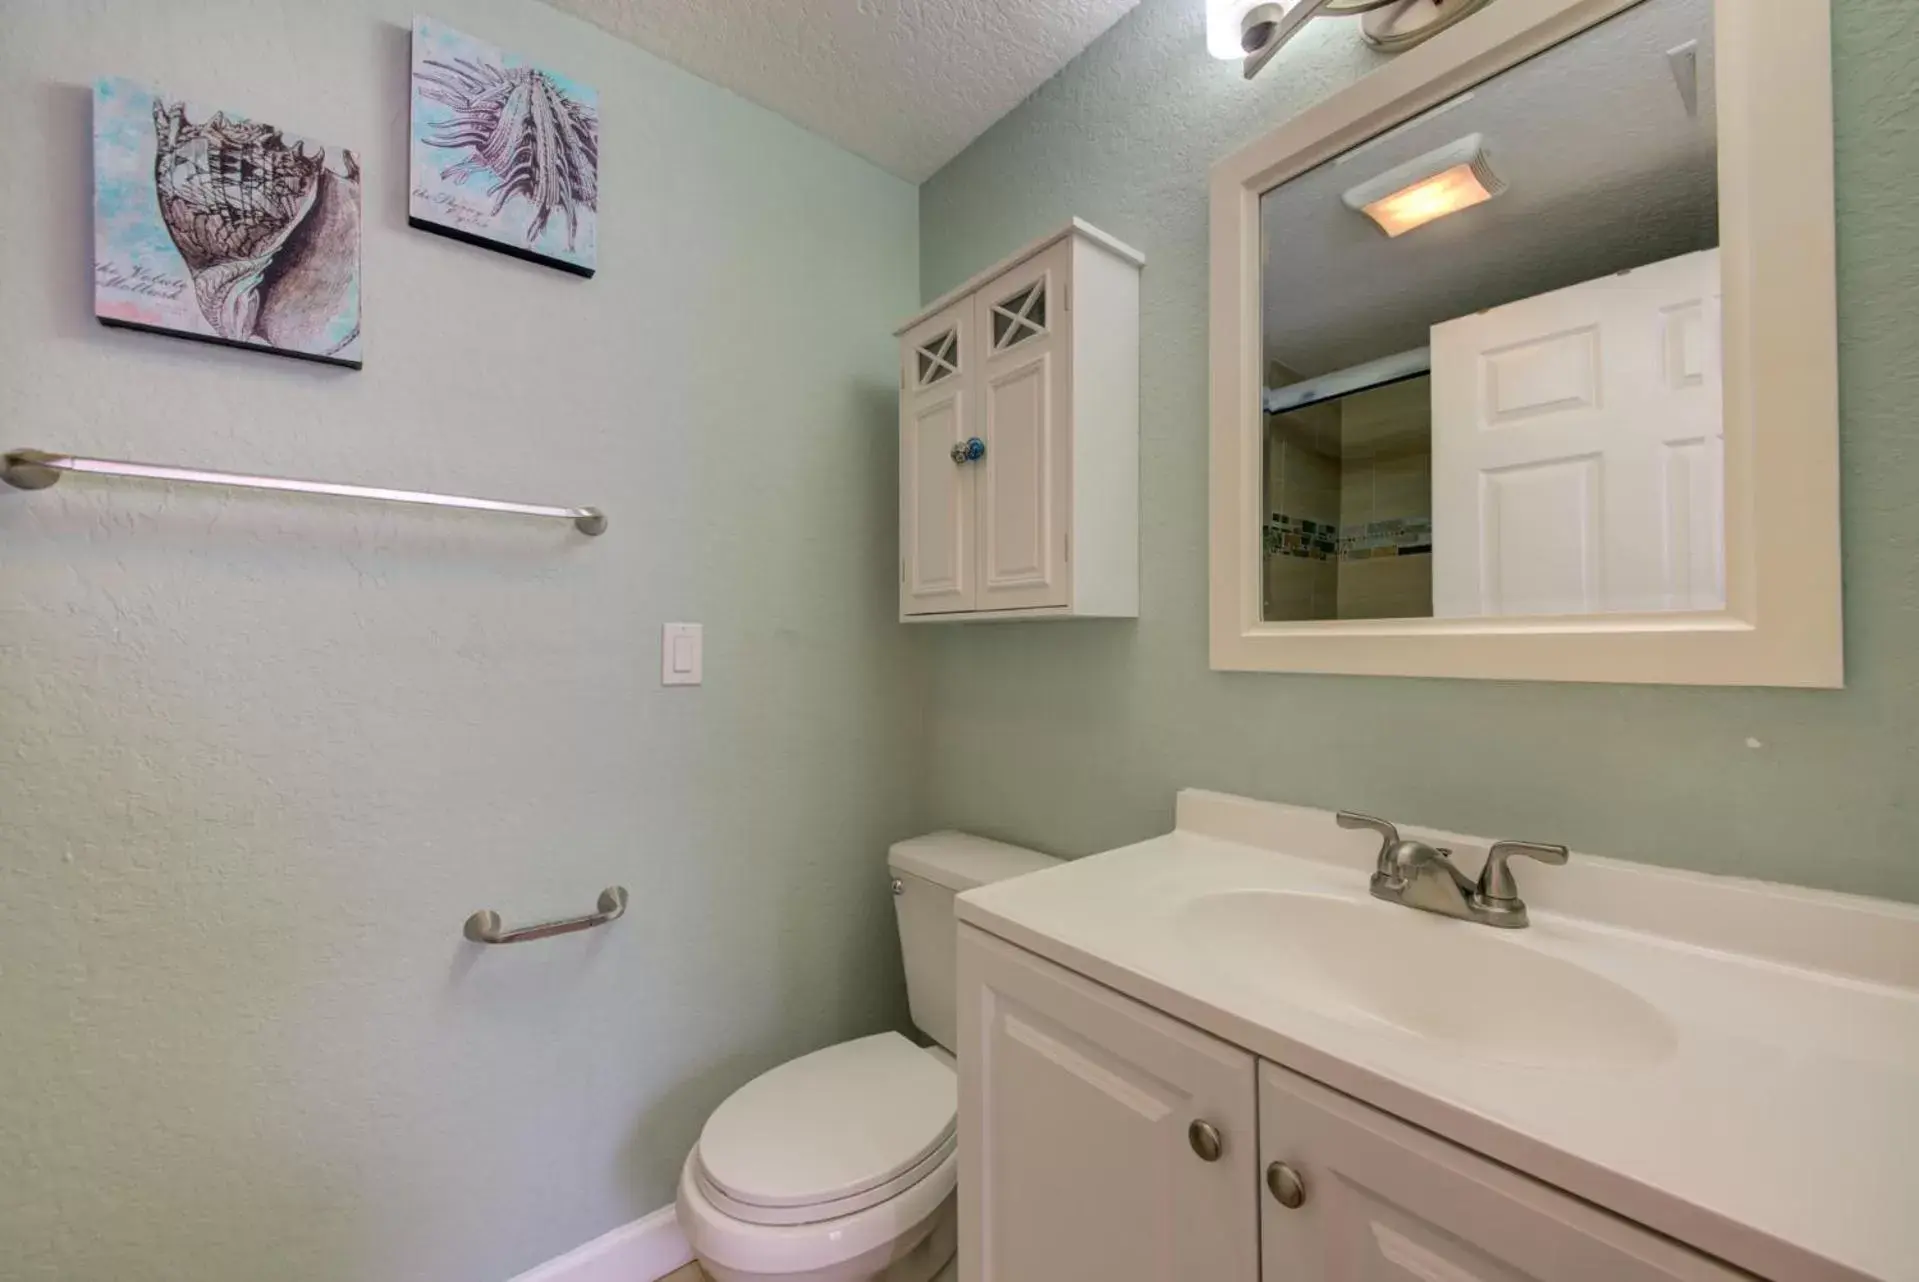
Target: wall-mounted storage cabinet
(1019, 438)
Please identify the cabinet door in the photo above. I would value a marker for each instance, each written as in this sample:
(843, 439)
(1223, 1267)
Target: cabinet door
(1025, 477)
(1388, 1202)
(1075, 1107)
(937, 493)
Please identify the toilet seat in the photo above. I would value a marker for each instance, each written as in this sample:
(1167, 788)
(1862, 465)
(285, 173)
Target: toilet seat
(829, 1134)
(749, 1213)
(855, 1246)
(837, 1165)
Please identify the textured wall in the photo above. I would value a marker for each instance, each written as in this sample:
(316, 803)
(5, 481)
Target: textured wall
(260, 757)
(1073, 737)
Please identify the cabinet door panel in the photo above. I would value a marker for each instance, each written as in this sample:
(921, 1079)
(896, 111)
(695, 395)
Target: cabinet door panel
(1024, 478)
(937, 495)
(1075, 1105)
(1013, 528)
(1388, 1202)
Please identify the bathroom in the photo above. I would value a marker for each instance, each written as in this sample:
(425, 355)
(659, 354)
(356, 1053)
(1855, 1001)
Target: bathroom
(267, 754)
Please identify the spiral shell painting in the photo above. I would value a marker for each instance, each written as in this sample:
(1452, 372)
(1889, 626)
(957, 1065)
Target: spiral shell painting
(212, 226)
(504, 154)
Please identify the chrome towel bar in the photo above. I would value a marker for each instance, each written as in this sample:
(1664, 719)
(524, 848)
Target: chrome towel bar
(484, 926)
(37, 469)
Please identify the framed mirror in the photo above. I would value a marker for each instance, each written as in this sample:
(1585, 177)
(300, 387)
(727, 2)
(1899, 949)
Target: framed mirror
(1524, 357)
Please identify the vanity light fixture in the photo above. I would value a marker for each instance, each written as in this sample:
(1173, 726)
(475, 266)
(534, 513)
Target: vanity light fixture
(1231, 34)
(1441, 182)
(1222, 28)
(1255, 31)
(1264, 29)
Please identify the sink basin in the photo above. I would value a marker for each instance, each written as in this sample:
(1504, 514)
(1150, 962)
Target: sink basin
(1475, 988)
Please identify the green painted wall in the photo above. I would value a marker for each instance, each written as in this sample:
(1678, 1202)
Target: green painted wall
(260, 757)
(1073, 737)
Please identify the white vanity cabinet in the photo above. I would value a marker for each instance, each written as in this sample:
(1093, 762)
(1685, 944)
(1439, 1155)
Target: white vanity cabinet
(1084, 1161)
(1019, 438)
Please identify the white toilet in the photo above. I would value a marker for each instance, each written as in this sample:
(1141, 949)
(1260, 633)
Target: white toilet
(840, 1166)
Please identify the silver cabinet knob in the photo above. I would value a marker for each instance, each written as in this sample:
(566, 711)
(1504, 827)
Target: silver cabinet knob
(1204, 1137)
(1283, 1182)
(970, 450)
(899, 887)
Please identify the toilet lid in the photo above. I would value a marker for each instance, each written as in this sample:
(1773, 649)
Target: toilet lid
(830, 1125)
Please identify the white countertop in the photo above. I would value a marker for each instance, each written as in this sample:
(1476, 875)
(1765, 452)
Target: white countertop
(1781, 1133)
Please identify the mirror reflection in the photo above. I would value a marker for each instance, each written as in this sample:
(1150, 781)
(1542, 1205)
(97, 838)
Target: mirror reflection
(1492, 346)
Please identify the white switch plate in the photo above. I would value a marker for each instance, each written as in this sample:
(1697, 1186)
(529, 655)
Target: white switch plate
(680, 654)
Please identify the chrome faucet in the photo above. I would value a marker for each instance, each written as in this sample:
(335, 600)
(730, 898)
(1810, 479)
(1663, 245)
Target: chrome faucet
(1424, 877)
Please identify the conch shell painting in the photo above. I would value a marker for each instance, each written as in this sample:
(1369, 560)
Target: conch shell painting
(504, 154)
(212, 226)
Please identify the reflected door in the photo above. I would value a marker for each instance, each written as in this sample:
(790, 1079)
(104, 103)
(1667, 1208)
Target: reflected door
(1578, 454)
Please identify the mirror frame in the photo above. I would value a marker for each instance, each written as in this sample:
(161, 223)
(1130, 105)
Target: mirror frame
(1782, 624)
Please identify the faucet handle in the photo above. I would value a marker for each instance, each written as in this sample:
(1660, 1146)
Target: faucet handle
(1383, 868)
(1496, 883)
(1351, 819)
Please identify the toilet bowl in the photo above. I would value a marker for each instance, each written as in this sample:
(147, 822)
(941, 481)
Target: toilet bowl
(839, 1166)
(843, 1165)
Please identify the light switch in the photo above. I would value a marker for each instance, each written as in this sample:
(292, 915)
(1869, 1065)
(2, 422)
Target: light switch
(680, 654)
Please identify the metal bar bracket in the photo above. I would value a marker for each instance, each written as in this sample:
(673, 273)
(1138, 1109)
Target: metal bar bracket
(484, 927)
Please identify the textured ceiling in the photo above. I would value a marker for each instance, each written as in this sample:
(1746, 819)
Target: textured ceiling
(1607, 171)
(905, 83)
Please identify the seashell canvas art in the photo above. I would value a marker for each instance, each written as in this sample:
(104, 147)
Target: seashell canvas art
(504, 154)
(211, 226)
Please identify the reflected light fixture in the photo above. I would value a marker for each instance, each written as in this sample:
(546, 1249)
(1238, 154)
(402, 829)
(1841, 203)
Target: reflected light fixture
(1441, 182)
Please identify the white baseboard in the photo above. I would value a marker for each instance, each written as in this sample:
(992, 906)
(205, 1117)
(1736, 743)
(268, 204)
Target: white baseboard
(644, 1251)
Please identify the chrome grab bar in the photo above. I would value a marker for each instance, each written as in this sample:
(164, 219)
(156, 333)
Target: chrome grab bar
(37, 469)
(484, 926)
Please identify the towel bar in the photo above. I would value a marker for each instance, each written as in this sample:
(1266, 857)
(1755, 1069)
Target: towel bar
(37, 469)
(484, 926)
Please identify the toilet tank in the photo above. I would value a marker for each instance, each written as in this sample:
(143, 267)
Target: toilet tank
(927, 873)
